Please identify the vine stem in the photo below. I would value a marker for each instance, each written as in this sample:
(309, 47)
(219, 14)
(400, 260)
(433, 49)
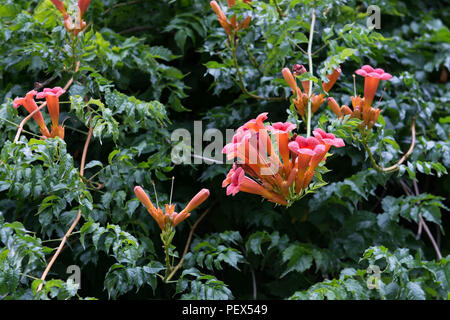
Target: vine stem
(410, 150)
(188, 242)
(25, 120)
(253, 60)
(75, 222)
(16, 125)
(166, 237)
(311, 35)
(241, 84)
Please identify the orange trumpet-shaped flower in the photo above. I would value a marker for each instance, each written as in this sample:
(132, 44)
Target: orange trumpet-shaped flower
(170, 216)
(362, 107)
(82, 6)
(29, 104)
(237, 181)
(372, 78)
(60, 6)
(79, 25)
(52, 98)
(281, 131)
(271, 170)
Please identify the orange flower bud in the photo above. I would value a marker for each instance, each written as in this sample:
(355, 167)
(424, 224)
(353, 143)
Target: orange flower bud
(231, 3)
(316, 102)
(143, 197)
(233, 21)
(197, 200)
(245, 23)
(375, 118)
(356, 112)
(180, 217)
(366, 112)
(287, 74)
(346, 110)
(331, 79)
(214, 5)
(356, 102)
(334, 106)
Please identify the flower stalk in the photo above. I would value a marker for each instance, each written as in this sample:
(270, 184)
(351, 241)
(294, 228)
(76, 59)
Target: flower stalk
(168, 220)
(311, 35)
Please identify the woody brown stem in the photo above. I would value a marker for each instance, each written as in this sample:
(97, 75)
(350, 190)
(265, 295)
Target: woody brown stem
(410, 150)
(396, 166)
(425, 226)
(422, 223)
(68, 233)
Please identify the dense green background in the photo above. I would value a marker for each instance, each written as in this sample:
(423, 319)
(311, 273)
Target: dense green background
(153, 66)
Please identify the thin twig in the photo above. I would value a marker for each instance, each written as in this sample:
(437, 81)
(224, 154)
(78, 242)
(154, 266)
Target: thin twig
(405, 188)
(315, 52)
(16, 125)
(86, 145)
(396, 166)
(301, 49)
(188, 242)
(410, 150)
(40, 85)
(430, 235)
(68, 233)
(25, 120)
(311, 35)
(422, 223)
(408, 192)
(425, 227)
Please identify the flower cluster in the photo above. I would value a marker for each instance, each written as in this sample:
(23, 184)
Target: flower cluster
(52, 98)
(170, 217)
(301, 98)
(79, 25)
(279, 174)
(362, 107)
(232, 24)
